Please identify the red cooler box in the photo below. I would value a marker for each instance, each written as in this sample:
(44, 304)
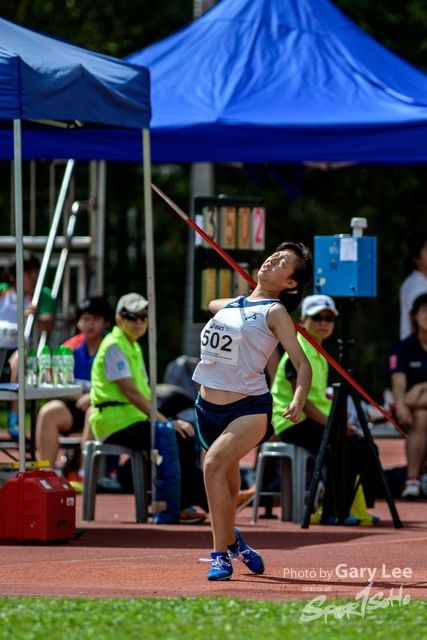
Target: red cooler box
(37, 506)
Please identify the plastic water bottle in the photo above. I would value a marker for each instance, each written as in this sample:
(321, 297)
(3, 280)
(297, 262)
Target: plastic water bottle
(45, 363)
(57, 366)
(31, 368)
(68, 365)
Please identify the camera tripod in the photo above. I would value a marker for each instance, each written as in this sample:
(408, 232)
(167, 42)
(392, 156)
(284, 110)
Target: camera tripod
(335, 440)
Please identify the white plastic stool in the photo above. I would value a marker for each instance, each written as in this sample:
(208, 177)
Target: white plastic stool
(293, 478)
(92, 452)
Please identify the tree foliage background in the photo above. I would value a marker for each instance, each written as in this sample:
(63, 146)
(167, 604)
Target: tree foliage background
(300, 202)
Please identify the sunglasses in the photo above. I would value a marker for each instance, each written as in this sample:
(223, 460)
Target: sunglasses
(133, 317)
(323, 318)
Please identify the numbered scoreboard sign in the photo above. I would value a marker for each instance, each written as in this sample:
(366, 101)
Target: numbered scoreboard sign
(210, 225)
(209, 285)
(225, 283)
(228, 228)
(244, 228)
(258, 229)
(237, 225)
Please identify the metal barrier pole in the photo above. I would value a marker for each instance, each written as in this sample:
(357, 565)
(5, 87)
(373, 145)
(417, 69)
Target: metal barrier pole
(50, 242)
(75, 210)
(100, 232)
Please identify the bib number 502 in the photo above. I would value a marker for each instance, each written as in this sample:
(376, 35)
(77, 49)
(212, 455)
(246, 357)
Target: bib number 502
(213, 339)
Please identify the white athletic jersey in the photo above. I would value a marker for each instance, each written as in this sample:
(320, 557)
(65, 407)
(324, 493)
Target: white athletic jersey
(413, 286)
(9, 318)
(235, 347)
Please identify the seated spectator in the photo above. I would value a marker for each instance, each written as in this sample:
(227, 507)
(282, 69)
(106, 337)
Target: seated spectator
(64, 417)
(408, 369)
(318, 319)
(415, 283)
(120, 395)
(45, 315)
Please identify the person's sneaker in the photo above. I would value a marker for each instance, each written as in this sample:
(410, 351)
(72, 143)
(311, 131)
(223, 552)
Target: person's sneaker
(221, 568)
(109, 484)
(13, 424)
(191, 516)
(251, 558)
(423, 481)
(75, 478)
(350, 521)
(374, 415)
(412, 489)
(245, 498)
(77, 486)
(369, 520)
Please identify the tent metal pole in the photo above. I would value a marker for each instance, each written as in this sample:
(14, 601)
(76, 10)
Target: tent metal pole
(32, 197)
(50, 242)
(100, 222)
(151, 294)
(19, 247)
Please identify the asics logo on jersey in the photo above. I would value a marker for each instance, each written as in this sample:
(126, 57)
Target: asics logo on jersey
(216, 326)
(251, 316)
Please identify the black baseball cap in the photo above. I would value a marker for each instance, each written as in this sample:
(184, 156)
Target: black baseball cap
(97, 306)
(418, 303)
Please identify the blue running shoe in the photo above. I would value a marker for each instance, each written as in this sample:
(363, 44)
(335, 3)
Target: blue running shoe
(251, 558)
(221, 568)
(13, 424)
(350, 521)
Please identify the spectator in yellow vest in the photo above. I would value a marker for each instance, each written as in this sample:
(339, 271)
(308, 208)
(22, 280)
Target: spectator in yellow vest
(120, 395)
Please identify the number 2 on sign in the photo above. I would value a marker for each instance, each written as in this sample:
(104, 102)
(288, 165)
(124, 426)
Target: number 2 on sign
(258, 228)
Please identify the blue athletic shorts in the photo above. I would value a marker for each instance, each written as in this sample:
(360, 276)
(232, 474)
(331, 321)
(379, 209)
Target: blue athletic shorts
(213, 419)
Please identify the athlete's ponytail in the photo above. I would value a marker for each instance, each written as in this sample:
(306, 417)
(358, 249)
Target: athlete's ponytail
(303, 270)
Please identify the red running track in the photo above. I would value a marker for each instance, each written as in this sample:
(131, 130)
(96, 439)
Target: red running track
(118, 558)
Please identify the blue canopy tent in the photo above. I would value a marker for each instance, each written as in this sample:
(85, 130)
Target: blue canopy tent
(269, 81)
(46, 80)
(283, 81)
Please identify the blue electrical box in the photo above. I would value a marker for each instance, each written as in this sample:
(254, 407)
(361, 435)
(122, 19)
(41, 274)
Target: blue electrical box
(345, 266)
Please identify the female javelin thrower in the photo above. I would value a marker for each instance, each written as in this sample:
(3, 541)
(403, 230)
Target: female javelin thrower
(234, 405)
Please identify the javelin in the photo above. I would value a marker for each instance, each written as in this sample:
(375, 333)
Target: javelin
(252, 282)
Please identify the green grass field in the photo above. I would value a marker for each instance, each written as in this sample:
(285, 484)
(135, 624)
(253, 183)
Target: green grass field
(201, 619)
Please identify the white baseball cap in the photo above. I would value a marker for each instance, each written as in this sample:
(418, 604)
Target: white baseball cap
(311, 305)
(132, 302)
